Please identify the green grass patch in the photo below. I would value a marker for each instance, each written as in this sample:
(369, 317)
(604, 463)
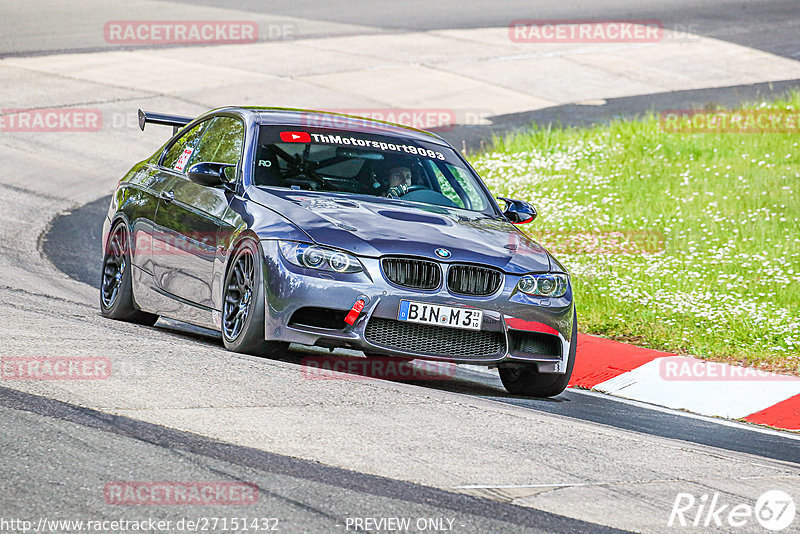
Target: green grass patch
(682, 242)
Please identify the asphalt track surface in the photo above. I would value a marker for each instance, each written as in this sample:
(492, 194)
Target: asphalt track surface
(72, 244)
(769, 25)
(304, 496)
(577, 115)
(46, 443)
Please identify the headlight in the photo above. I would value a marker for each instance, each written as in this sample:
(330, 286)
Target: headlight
(315, 257)
(544, 285)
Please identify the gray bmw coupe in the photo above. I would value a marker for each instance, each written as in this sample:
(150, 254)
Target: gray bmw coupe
(275, 226)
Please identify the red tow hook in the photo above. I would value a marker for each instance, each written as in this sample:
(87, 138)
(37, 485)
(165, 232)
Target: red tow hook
(355, 311)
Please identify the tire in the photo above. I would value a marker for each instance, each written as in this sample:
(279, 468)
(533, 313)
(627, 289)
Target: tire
(528, 382)
(243, 304)
(116, 291)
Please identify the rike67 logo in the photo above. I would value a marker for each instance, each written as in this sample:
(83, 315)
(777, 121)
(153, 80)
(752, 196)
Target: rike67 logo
(774, 510)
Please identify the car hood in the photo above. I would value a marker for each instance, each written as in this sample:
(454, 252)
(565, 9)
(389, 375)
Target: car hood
(377, 228)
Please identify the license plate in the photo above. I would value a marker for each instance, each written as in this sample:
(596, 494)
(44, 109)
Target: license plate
(422, 312)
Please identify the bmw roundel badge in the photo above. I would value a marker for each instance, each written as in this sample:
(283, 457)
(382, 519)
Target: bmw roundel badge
(443, 253)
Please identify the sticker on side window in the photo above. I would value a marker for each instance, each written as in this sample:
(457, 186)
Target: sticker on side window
(181, 163)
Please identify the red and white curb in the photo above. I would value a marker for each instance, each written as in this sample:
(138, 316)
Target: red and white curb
(685, 383)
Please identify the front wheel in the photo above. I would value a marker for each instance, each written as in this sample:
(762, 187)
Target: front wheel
(529, 382)
(116, 290)
(243, 304)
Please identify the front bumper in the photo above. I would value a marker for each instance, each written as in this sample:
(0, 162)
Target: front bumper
(509, 319)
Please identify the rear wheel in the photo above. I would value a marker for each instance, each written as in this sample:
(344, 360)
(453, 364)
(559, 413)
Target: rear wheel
(243, 304)
(529, 382)
(116, 291)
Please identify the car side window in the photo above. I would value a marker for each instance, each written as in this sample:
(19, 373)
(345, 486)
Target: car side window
(456, 185)
(447, 189)
(221, 143)
(178, 154)
(468, 187)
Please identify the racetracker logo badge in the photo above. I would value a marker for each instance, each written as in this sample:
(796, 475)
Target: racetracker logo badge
(181, 493)
(730, 121)
(586, 31)
(600, 241)
(42, 120)
(383, 368)
(55, 368)
(685, 369)
(128, 32)
(442, 119)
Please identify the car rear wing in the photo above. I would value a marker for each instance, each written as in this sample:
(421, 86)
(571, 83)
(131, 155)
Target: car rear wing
(176, 121)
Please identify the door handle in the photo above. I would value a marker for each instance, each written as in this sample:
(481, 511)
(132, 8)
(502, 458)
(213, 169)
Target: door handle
(167, 196)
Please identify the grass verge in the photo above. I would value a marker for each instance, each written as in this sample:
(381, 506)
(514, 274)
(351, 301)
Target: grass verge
(682, 242)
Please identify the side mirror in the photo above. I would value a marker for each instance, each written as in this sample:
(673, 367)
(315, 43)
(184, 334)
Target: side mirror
(209, 174)
(518, 211)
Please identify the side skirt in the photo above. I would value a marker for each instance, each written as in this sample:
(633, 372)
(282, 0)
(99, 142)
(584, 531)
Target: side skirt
(152, 299)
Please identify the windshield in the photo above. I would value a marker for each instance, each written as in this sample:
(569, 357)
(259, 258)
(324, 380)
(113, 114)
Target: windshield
(366, 164)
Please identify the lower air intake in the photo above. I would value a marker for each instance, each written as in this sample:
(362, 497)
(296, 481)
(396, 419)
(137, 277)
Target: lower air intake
(434, 340)
(535, 343)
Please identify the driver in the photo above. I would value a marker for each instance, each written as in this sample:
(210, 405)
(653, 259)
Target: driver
(399, 181)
